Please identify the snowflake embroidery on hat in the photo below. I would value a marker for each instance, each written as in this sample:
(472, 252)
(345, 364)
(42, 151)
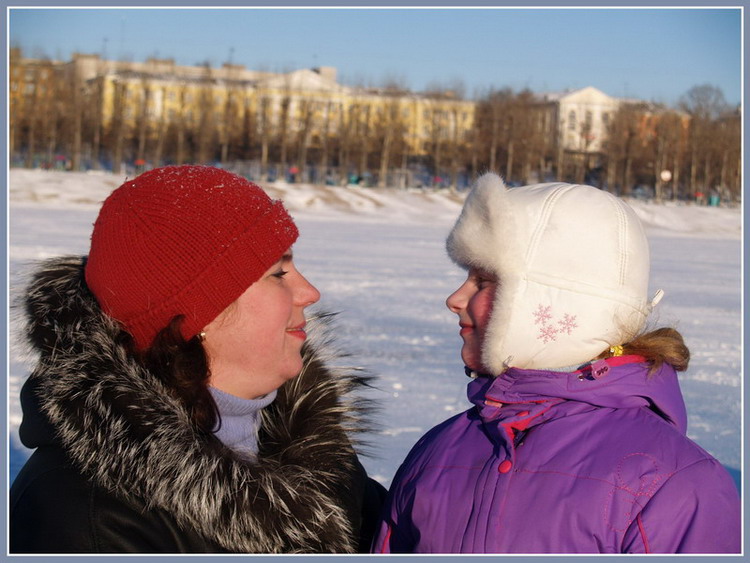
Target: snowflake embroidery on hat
(542, 315)
(568, 323)
(548, 331)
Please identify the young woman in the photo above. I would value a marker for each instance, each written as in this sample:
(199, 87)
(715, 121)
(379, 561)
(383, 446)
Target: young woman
(177, 405)
(576, 441)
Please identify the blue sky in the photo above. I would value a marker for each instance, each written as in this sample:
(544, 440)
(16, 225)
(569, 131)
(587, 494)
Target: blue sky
(652, 54)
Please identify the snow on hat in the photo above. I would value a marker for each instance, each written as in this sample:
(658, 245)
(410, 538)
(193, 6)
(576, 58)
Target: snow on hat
(572, 263)
(182, 240)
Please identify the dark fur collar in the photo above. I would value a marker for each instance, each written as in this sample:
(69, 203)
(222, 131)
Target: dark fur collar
(122, 428)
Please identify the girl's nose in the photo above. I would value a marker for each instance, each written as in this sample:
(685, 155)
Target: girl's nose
(456, 301)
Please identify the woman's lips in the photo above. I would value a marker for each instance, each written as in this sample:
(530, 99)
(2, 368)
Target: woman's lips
(298, 331)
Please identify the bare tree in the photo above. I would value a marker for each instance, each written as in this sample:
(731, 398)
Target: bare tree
(228, 129)
(668, 148)
(348, 118)
(283, 126)
(29, 94)
(206, 132)
(143, 118)
(118, 126)
(705, 104)
(730, 149)
(264, 120)
(282, 129)
(515, 134)
(248, 138)
(306, 109)
(362, 134)
(95, 115)
(704, 101)
(325, 134)
(492, 111)
(74, 90)
(389, 128)
(161, 124)
(537, 140)
(621, 146)
(181, 124)
(441, 125)
(17, 100)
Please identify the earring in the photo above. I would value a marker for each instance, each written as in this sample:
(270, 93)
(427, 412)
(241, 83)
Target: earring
(202, 335)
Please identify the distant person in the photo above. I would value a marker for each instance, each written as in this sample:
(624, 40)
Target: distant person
(293, 171)
(576, 441)
(177, 405)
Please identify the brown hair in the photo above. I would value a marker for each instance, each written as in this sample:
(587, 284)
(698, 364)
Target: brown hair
(182, 365)
(659, 346)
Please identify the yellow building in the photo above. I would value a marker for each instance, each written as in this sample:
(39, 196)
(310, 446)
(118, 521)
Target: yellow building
(290, 114)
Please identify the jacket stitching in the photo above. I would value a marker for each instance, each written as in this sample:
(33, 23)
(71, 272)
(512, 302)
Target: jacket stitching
(642, 530)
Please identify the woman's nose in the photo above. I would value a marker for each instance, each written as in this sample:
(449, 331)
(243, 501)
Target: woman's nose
(308, 294)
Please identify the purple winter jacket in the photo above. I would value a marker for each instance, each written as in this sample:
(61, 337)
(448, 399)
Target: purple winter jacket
(568, 464)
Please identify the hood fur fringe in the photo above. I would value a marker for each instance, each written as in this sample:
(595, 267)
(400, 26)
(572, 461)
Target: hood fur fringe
(124, 429)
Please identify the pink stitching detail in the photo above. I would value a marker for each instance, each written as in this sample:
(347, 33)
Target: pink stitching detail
(646, 487)
(642, 529)
(568, 323)
(547, 333)
(542, 314)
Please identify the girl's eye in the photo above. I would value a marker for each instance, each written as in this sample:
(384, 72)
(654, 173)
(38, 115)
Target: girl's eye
(280, 274)
(481, 282)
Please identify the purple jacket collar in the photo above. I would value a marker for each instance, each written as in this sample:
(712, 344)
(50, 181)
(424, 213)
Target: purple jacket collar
(527, 396)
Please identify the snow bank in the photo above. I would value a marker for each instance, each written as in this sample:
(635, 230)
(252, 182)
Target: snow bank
(66, 189)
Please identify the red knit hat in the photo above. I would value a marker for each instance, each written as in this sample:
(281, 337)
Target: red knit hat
(182, 240)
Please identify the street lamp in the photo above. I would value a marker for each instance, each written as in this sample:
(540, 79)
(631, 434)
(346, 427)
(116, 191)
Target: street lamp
(665, 177)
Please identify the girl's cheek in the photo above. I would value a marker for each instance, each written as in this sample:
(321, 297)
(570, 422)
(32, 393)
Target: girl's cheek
(483, 302)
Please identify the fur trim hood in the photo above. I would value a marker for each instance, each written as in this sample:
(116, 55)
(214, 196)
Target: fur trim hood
(125, 431)
(572, 264)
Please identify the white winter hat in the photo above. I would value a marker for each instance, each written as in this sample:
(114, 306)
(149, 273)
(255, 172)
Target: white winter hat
(572, 263)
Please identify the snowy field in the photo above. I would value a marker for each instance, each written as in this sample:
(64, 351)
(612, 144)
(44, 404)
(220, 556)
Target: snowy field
(378, 258)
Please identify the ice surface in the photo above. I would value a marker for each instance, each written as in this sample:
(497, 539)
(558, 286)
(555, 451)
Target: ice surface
(378, 258)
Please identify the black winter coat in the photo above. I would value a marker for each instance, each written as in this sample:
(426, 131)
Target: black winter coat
(119, 467)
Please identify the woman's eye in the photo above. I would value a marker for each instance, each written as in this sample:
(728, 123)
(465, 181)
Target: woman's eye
(280, 274)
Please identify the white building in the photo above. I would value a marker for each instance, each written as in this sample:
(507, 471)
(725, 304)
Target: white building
(582, 117)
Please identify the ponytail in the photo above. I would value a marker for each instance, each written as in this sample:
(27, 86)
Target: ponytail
(660, 346)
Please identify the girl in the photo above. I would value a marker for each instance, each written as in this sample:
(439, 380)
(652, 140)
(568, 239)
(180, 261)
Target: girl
(576, 441)
(177, 405)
